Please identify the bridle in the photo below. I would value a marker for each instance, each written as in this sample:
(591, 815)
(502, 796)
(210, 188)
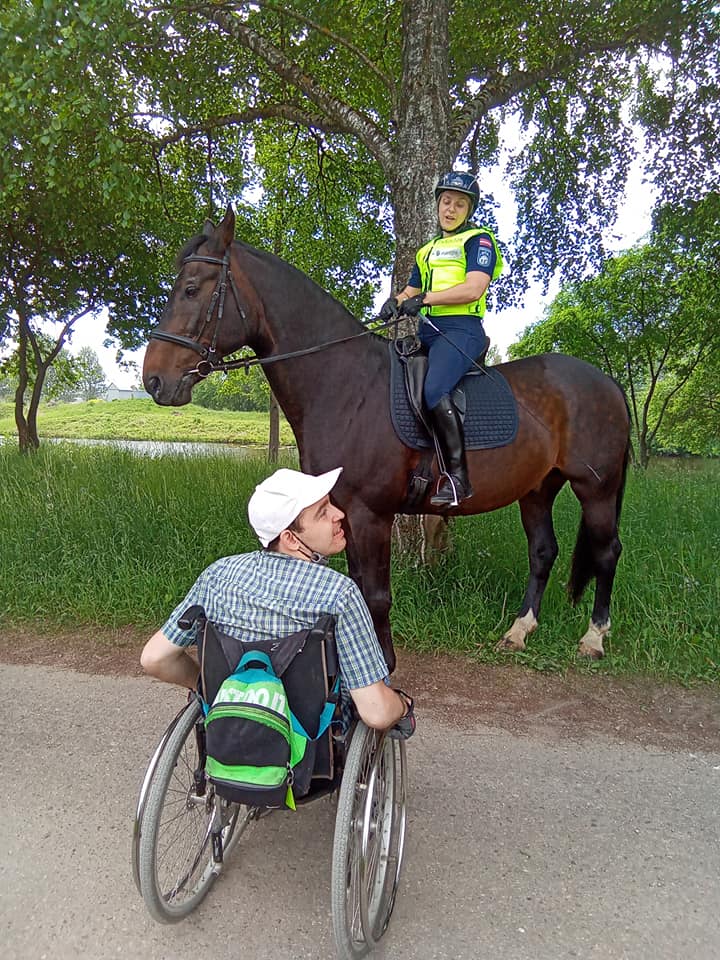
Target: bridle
(210, 360)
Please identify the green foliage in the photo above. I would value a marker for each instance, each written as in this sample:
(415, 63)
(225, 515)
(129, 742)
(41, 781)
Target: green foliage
(235, 390)
(91, 383)
(650, 320)
(111, 538)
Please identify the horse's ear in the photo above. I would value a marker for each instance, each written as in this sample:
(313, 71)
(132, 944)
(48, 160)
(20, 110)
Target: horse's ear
(221, 236)
(228, 227)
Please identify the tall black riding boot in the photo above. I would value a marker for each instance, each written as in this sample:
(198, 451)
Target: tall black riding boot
(454, 483)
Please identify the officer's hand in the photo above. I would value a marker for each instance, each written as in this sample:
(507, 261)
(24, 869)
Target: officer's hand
(389, 310)
(411, 307)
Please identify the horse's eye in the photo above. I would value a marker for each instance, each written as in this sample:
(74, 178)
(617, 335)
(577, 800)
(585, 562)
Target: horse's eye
(190, 290)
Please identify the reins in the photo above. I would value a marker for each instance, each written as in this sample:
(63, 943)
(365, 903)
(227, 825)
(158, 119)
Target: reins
(209, 362)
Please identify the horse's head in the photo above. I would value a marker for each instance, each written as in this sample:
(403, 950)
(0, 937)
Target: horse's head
(210, 314)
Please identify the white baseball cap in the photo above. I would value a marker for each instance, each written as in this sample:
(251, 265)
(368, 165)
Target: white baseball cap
(281, 498)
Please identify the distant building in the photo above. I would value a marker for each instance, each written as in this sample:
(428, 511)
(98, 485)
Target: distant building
(115, 393)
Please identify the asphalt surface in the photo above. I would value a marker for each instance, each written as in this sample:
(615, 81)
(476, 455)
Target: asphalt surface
(521, 845)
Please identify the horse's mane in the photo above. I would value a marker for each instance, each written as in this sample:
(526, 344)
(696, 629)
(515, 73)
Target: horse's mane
(312, 287)
(194, 243)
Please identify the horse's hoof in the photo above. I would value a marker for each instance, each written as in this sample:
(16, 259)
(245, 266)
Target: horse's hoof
(508, 645)
(590, 653)
(591, 645)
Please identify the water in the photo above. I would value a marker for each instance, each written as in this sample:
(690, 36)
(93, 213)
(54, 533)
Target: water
(159, 448)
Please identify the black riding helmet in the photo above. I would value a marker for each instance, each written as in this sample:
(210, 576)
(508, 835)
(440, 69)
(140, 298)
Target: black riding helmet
(461, 183)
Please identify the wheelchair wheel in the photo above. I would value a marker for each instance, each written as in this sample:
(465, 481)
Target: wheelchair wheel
(175, 862)
(369, 840)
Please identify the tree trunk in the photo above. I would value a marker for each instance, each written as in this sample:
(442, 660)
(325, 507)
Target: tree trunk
(423, 136)
(274, 441)
(423, 154)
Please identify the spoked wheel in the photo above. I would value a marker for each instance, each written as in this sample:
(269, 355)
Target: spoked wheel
(369, 840)
(176, 867)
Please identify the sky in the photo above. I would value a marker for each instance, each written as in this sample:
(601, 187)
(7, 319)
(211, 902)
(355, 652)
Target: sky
(503, 327)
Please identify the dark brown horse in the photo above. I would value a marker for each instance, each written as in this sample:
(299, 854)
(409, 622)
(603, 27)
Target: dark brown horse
(573, 421)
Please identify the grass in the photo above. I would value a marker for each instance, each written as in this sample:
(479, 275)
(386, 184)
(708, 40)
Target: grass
(145, 420)
(102, 536)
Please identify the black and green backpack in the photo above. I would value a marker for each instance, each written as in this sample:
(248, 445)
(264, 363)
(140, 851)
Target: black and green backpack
(257, 748)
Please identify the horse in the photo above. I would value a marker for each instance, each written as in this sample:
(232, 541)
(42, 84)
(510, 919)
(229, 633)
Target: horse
(330, 375)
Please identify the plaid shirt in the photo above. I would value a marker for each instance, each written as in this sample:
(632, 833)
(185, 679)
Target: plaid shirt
(265, 595)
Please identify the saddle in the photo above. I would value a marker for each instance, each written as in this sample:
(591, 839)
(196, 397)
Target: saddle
(483, 399)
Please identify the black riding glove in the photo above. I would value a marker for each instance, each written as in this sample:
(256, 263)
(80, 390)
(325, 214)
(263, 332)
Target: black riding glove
(412, 306)
(389, 310)
(405, 727)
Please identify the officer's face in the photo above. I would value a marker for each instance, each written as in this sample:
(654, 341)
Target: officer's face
(453, 210)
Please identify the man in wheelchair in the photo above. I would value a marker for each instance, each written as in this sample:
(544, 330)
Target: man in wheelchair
(284, 588)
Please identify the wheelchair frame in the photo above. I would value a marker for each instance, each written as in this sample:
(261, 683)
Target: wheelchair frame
(183, 831)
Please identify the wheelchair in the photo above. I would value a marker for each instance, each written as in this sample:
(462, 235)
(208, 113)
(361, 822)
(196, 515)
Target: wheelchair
(184, 833)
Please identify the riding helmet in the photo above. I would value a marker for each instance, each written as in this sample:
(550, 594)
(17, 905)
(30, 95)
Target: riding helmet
(462, 183)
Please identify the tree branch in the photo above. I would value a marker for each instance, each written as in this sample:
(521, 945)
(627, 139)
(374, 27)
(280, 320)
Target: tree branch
(499, 88)
(336, 115)
(387, 79)
(271, 111)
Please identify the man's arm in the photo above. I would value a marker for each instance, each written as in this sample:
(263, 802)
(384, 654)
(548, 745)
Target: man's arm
(169, 662)
(379, 705)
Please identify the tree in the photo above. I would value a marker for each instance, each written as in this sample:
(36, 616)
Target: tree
(235, 390)
(418, 86)
(91, 382)
(74, 236)
(692, 420)
(649, 319)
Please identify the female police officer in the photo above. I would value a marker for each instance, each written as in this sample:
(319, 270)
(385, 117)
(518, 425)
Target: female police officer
(447, 288)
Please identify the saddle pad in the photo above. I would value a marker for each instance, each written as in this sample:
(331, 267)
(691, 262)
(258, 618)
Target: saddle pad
(491, 418)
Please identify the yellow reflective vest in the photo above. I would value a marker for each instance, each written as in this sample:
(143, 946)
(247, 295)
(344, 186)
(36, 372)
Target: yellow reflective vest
(442, 264)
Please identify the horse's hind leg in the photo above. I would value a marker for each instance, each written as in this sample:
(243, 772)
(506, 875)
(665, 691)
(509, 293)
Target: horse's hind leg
(597, 552)
(536, 514)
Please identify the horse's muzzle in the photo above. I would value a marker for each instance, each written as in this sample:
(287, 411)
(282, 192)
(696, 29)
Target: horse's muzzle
(166, 393)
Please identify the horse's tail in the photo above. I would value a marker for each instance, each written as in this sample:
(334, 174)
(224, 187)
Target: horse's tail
(583, 566)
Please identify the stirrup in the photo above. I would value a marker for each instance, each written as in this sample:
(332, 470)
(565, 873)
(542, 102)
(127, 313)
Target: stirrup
(450, 492)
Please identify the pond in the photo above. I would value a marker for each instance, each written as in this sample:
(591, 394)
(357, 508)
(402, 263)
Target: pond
(159, 448)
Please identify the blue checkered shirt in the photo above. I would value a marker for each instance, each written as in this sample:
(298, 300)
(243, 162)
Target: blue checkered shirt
(265, 595)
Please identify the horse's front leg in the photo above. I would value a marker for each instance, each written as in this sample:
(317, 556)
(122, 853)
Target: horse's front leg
(368, 554)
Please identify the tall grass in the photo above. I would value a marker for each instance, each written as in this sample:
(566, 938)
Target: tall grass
(102, 536)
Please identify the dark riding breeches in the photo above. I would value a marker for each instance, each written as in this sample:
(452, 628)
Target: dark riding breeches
(446, 364)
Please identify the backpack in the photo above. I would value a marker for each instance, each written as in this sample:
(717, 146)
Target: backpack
(255, 745)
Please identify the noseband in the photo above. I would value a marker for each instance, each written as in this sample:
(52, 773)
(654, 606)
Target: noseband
(209, 356)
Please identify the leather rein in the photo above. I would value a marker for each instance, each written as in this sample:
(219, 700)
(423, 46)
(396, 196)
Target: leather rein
(210, 360)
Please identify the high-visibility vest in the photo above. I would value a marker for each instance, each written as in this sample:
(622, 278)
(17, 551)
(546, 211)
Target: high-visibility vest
(442, 263)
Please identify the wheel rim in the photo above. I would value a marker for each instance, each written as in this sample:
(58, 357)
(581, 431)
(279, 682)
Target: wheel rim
(183, 851)
(382, 834)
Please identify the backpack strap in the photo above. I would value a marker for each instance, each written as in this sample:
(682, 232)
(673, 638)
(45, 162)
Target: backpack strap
(326, 714)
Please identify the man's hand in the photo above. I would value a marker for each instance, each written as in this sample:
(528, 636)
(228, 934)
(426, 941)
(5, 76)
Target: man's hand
(389, 310)
(412, 306)
(405, 727)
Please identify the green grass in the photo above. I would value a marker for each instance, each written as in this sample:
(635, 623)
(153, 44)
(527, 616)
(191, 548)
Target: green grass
(102, 536)
(145, 420)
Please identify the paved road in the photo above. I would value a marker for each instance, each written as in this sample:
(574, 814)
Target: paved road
(521, 847)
